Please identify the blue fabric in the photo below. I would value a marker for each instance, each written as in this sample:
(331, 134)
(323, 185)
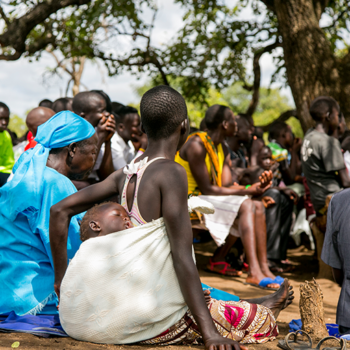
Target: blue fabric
(278, 280)
(267, 280)
(333, 329)
(220, 294)
(59, 131)
(43, 326)
(26, 267)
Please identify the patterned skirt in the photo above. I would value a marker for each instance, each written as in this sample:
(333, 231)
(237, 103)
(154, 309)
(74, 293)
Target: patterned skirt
(241, 321)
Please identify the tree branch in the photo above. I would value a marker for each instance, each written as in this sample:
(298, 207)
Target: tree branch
(17, 30)
(282, 118)
(319, 7)
(3, 16)
(257, 75)
(270, 4)
(60, 63)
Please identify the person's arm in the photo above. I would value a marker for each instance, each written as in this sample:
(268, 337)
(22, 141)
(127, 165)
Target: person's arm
(196, 158)
(333, 160)
(344, 178)
(106, 167)
(175, 213)
(289, 171)
(63, 211)
(105, 130)
(257, 144)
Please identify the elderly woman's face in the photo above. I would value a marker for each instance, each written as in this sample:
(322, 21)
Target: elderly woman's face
(84, 159)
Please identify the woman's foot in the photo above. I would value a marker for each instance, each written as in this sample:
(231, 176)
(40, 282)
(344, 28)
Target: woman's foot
(281, 299)
(256, 282)
(266, 271)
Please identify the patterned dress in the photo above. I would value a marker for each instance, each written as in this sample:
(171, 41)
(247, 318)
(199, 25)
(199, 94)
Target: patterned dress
(240, 321)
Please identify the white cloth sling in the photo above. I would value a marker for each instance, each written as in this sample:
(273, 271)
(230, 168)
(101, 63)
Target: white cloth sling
(122, 288)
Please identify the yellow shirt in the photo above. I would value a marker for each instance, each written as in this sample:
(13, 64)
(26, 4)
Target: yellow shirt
(192, 184)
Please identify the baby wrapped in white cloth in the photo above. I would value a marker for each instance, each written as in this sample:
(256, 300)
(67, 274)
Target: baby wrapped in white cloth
(122, 287)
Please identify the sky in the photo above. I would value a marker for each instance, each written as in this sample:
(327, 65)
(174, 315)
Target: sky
(23, 84)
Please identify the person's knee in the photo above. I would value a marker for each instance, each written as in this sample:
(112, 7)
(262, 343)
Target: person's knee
(274, 193)
(259, 207)
(247, 206)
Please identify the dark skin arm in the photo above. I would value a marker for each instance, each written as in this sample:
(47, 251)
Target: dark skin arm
(178, 225)
(257, 144)
(105, 130)
(338, 276)
(289, 171)
(62, 212)
(344, 178)
(106, 167)
(196, 157)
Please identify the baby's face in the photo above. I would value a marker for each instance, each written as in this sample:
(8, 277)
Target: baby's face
(265, 158)
(112, 217)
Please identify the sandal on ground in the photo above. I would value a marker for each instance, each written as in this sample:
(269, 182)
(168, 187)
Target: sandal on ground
(342, 343)
(263, 284)
(227, 270)
(295, 343)
(280, 267)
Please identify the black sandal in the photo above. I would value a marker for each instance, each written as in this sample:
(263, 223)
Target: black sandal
(295, 344)
(342, 344)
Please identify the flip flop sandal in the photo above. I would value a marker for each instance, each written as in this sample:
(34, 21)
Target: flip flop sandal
(263, 284)
(223, 271)
(280, 267)
(342, 344)
(295, 343)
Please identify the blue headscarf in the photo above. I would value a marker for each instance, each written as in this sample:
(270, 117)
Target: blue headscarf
(23, 193)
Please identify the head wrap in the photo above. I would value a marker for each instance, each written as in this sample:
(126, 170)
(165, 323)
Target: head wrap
(23, 193)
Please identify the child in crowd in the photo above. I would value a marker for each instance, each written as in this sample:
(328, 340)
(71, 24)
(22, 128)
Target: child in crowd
(265, 162)
(7, 159)
(322, 158)
(281, 141)
(155, 189)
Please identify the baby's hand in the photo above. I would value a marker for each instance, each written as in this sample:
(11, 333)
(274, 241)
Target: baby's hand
(267, 201)
(265, 178)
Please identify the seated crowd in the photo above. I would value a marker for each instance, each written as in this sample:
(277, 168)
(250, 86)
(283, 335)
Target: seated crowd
(89, 169)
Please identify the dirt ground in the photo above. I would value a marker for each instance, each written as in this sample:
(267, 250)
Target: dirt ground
(305, 269)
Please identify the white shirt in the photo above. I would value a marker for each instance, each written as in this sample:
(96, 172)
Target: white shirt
(122, 153)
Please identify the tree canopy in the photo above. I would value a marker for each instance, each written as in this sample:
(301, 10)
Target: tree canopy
(309, 40)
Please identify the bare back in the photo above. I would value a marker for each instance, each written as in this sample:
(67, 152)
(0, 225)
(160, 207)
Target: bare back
(149, 198)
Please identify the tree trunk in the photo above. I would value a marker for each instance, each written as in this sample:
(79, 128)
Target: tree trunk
(312, 69)
(311, 310)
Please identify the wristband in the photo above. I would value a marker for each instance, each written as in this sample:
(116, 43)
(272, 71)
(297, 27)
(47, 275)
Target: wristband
(248, 186)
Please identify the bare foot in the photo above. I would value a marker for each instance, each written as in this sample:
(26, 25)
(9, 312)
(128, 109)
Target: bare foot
(281, 299)
(256, 280)
(266, 271)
